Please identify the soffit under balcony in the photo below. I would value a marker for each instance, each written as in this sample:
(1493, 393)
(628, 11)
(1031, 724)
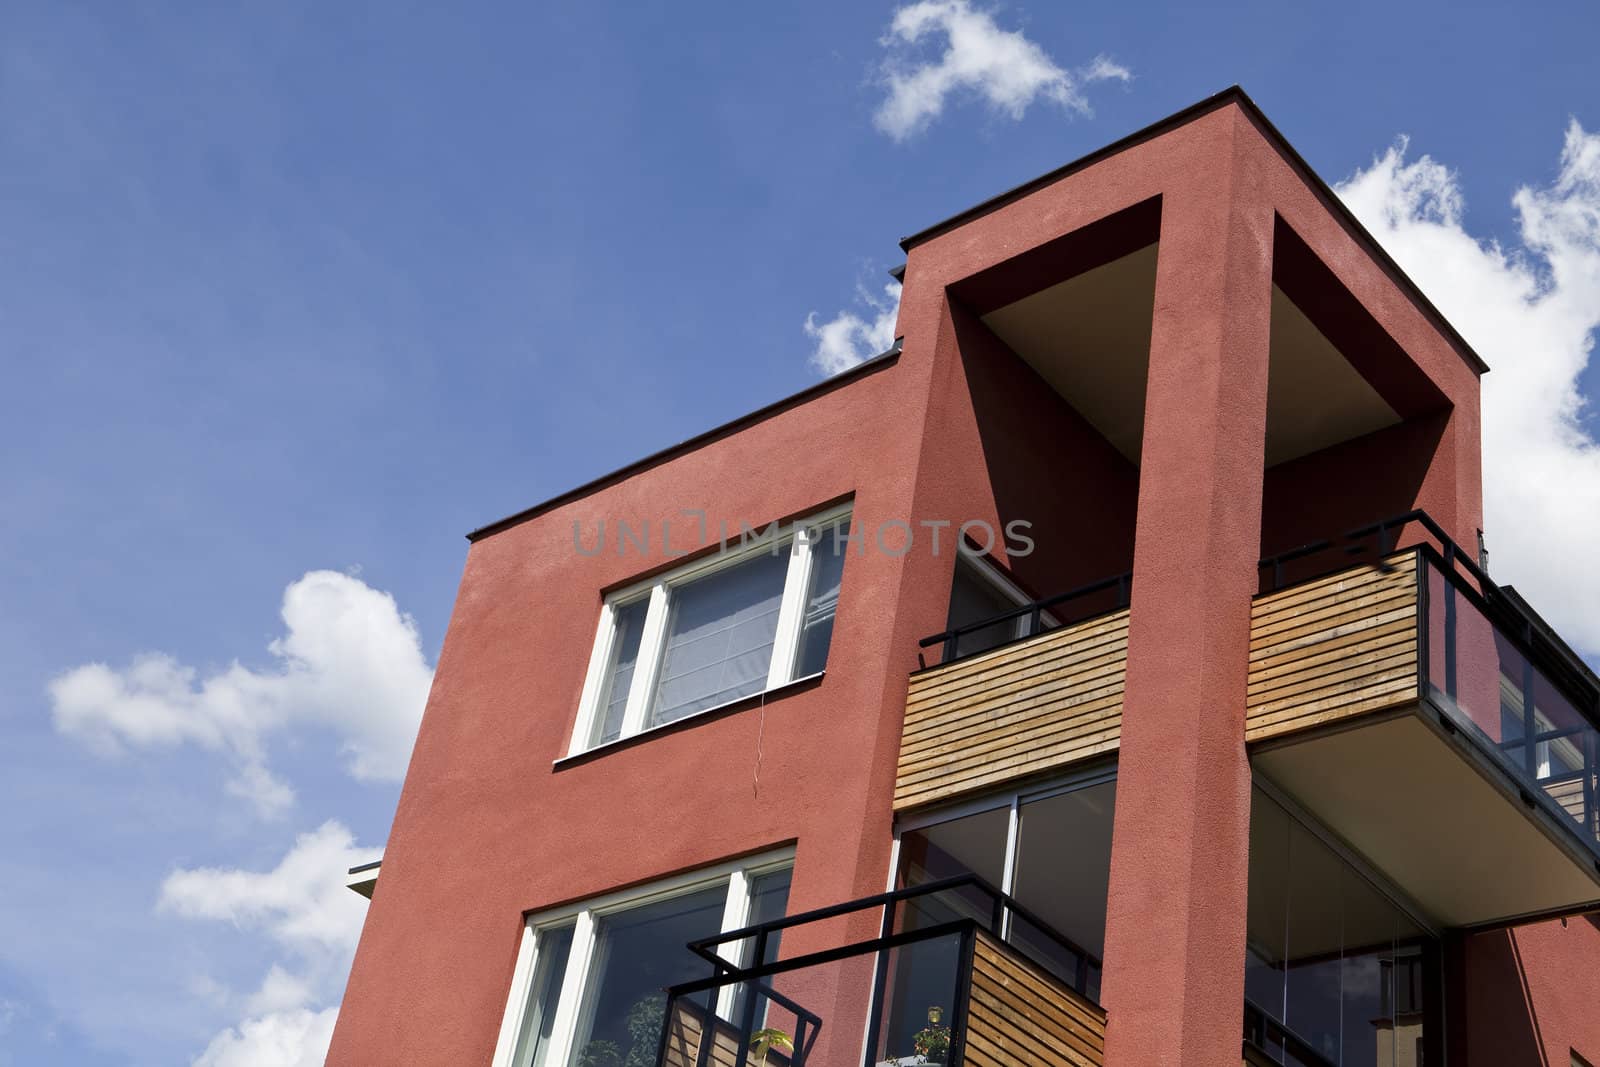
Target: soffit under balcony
(1089, 338)
(1453, 835)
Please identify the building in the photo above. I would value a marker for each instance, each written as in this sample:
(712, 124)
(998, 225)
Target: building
(1120, 684)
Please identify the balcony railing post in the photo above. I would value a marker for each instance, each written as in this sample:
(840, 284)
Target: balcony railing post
(963, 995)
(880, 982)
(747, 1017)
(1449, 623)
(666, 1029)
(1530, 720)
(1591, 789)
(708, 1027)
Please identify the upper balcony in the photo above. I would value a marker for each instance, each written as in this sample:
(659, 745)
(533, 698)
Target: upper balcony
(1433, 721)
(1424, 714)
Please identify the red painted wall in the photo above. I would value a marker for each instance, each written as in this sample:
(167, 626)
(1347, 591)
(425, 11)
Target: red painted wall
(958, 428)
(1532, 995)
(487, 830)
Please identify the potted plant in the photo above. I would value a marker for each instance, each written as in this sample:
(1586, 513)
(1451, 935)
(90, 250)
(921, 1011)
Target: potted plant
(932, 1042)
(766, 1039)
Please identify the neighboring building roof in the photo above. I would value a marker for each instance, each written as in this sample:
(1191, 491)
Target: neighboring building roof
(363, 878)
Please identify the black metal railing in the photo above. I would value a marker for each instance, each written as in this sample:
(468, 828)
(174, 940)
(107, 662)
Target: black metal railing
(1036, 617)
(1274, 1042)
(936, 913)
(1488, 664)
(1490, 671)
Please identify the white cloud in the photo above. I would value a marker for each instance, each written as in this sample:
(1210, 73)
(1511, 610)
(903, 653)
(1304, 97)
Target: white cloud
(848, 337)
(349, 661)
(1002, 67)
(282, 1039)
(302, 905)
(1531, 312)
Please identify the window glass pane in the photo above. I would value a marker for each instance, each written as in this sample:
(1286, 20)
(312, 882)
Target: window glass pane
(769, 900)
(719, 636)
(1063, 874)
(1368, 974)
(1314, 941)
(1267, 916)
(974, 844)
(637, 954)
(1346, 977)
(554, 946)
(973, 599)
(619, 672)
(921, 974)
(822, 598)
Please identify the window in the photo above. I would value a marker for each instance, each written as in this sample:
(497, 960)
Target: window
(978, 592)
(589, 979)
(1340, 969)
(754, 617)
(1050, 848)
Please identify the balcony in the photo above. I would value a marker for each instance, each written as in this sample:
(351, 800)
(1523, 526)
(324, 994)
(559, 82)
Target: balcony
(1029, 707)
(1432, 721)
(957, 973)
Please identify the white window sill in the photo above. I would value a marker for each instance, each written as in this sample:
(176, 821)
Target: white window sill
(643, 735)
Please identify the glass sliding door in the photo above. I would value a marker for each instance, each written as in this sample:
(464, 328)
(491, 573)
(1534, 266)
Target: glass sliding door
(1062, 874)
(1333, 962)
(1049, 847)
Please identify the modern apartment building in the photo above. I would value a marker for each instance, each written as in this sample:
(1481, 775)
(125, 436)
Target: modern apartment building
(1107, 674)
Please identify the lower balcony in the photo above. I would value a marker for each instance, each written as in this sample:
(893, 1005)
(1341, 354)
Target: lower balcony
(957, 973)
(1433, 722)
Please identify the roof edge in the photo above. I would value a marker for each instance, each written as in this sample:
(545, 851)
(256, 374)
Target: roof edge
(881, 361)
(1234, 94)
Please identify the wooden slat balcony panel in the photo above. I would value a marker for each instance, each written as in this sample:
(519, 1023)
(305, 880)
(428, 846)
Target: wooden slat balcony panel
(1018, 1014)
(1028, 708)
(1333, 648)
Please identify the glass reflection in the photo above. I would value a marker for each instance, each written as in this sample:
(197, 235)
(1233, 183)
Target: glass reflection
(1330, 957)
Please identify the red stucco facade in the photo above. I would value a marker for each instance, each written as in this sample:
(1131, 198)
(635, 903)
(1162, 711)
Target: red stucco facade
(494, 823)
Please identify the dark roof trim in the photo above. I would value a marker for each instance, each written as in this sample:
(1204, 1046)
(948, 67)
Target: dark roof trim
(881, 361)
(374, 865)
(899, 273)
(1231, 95)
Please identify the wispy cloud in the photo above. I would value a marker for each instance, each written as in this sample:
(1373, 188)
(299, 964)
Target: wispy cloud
(977, 58)
(349, 661)
(303, 907)
(1532, 312)
(855, 335)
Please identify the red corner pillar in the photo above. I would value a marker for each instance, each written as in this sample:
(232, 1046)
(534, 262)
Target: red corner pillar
(1175, 931)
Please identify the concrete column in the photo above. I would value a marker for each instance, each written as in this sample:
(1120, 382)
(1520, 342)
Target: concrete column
(1175, 930)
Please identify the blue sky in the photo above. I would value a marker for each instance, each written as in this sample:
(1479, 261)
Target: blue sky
(293, 297)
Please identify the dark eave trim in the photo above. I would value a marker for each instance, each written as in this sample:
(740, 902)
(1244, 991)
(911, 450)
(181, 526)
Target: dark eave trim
(881, 361)
(1231, 95)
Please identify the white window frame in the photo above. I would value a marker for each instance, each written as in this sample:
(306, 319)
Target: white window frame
(738, 875)
(801, 541)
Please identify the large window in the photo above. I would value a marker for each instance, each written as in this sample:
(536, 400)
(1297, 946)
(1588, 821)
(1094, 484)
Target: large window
(1342, 972)
(589, 982)
(754, 617)
(1050, 848)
